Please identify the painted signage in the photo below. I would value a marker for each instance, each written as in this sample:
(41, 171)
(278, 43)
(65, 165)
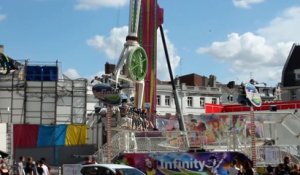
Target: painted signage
(253, 95)
(183, 163)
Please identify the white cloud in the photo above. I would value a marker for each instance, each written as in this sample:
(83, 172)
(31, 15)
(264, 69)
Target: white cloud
(283, 28)
(72, 74)
(162, 68)
(112, 46)
(95, 4)
(246, 3)
(262, 54)
(2, 17)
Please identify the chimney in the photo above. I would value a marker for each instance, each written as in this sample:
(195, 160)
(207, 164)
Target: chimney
(212, 81)
(1, 48)
(109, 68)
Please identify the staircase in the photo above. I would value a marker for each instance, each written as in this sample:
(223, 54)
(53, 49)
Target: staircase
(102, 153)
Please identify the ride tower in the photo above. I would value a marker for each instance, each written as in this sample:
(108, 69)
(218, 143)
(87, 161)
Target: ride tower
(151, 18)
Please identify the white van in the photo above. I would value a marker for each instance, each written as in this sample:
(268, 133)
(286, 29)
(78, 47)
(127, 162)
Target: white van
(109, 169)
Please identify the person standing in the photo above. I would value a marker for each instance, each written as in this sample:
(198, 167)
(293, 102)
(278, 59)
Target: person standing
(44, 167)
(286, 165)
(29, 166)
(94, 161)
(39, 168)
(269, 170)
(248, 170)
(20, 166)
(45, 162)
(87, 160)
(234, 170)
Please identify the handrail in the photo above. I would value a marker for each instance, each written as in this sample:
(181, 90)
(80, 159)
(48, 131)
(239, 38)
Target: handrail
(273, 155)
(129, 141)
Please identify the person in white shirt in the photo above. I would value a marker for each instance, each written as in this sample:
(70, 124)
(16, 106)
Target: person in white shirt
(20, 165)
(45, 168)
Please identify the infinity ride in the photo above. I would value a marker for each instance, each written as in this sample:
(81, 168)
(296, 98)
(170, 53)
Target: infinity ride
(135, 72)
(200, 150)
(133, 62)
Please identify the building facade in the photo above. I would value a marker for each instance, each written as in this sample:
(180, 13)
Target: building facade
(290, 79)
(193, 92)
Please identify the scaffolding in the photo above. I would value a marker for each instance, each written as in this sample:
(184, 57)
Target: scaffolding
(36, 94)
(26, 100)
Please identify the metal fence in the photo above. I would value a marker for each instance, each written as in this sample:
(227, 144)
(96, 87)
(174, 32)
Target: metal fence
(133, 141)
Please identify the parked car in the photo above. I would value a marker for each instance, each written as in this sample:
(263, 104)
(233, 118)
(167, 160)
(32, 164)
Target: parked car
(109, 169)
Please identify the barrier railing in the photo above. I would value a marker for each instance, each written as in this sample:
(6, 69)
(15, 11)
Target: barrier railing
(273, 155)
(132, 141)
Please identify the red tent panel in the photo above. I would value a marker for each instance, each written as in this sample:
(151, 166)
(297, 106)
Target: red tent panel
(25, 135)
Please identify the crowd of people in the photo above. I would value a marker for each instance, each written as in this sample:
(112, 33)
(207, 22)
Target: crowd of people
(129, 117)
(28, 166)
(285, 168)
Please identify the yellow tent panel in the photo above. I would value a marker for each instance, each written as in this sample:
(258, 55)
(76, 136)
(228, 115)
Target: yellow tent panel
(76, 135)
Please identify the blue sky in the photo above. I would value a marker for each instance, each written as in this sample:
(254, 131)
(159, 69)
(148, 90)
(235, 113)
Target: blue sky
(232, 39)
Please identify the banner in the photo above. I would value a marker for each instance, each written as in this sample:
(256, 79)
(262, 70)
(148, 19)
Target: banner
(217, 128)
(183, 163)
(31, 136)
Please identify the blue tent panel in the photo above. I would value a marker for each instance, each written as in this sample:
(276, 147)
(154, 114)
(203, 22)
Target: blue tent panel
(46, 136)
(60, 134)
(51, 135)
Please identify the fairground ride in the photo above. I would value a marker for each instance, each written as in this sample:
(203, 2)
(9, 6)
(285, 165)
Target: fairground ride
(135, 75)
(138, 65)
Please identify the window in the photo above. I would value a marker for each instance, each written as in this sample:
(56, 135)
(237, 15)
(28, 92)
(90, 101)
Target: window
(230, 98)
(297, 74)
(129, 171)
(293, 95)
(94, 170)
(190, 101)
(214, 100)
(158, 100)
(167, 100)
(202, 101)
(266, 92)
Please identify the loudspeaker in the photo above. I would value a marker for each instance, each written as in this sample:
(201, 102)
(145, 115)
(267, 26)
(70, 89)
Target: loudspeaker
(273, 108)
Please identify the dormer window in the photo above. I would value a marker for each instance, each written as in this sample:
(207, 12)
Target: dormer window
(297, 74)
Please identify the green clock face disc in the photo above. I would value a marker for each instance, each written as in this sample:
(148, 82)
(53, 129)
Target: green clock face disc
(137, 64)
